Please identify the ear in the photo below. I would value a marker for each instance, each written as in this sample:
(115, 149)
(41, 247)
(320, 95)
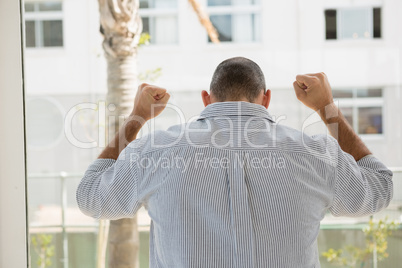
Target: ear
(267, 99)
(206, 98)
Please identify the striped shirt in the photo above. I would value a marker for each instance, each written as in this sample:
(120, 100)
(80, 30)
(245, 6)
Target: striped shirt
(234, 189)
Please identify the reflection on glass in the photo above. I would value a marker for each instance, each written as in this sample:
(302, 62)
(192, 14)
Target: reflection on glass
(342, 93)
(52, 33)
(355, 23)
(30, 39)
(369, 93)
(370, 120)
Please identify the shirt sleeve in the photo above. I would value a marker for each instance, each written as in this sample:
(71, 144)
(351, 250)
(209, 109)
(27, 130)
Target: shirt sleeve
(361, 188)
(108, 189)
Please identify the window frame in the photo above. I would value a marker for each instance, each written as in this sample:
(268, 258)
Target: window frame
(251, 9)
(38, 17)
(13, 228)
(356, 102)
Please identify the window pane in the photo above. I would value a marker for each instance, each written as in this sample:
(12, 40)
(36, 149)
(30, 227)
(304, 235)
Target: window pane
(348, 114)
(355, 23)
(30, 33)
(342, 93)
(369, 93)
(145, 25)
(163, 30)
(29, 7)
(223, 24)
(370, 120)
(158, 3)
(44, 122)
(330, 24)
(245, 2)
(49, 6)
(52, 33)
(144, 4)
(243, 28)
(377, 23)
(219, 2)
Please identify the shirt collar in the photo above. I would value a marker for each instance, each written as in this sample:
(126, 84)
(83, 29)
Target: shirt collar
(235, 108)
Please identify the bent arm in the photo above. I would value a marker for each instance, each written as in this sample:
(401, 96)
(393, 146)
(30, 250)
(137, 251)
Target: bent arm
(108, 189)
(340, 129)
(363, 185)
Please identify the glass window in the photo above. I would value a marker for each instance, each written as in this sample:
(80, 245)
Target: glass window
(30, 34)
(52, 33)
(342, 93)
(41, 27)
(49, 6)
(219, 2)
(369, 93)
(233, 26)
(362, 108)
(223, 24)
(158, 3)
(370, 120)
(29, 7)
(162, 29)
(330, 20)
(159, 20)
(353, 23)
(377, 23)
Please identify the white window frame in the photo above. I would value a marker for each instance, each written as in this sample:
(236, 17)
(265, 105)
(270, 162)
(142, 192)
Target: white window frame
(38, 16)
(238, 10)
(360, 102)
(13, 224)
(161, 12)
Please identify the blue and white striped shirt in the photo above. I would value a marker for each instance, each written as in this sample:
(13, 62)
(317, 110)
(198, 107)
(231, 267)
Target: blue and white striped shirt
(234, 189)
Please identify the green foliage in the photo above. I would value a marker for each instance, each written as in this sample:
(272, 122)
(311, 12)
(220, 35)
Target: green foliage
(150, 75)
(42, 245)
(376, 235)
(144, 39)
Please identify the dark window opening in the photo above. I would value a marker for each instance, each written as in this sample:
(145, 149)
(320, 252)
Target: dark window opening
(330, 24)
(377, 23)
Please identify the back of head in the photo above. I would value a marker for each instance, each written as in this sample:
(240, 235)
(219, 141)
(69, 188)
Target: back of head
(237, 79)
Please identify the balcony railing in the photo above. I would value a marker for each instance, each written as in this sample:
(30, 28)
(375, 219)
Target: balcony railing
(50, 216)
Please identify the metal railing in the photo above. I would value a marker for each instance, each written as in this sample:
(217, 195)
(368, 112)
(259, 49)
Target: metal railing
(64, 176)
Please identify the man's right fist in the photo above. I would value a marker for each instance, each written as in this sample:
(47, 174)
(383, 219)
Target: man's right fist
(150, 101)
(313, 90)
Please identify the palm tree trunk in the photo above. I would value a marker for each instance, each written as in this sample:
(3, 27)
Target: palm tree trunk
(121, 28)
(205, 21)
